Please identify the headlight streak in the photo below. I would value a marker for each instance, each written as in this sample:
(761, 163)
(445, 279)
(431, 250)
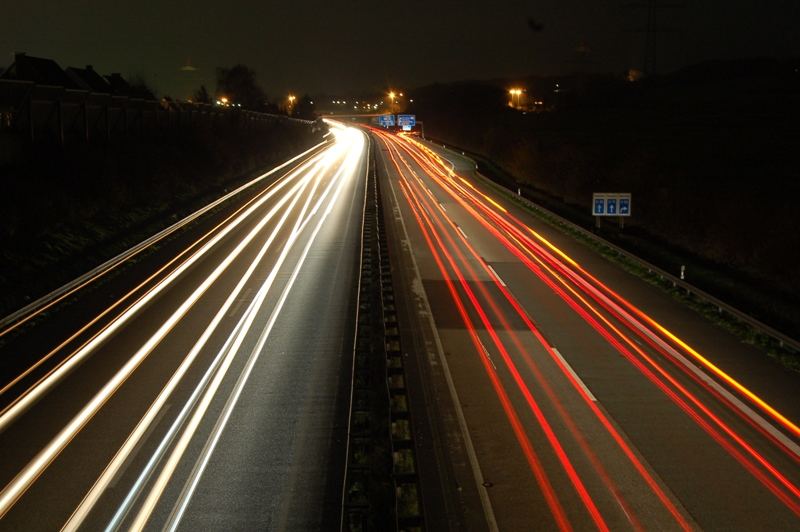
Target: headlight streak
(189, 431)
(40, 462)
(200, 466)
(750, 467)
(141, 285)
(116, 261)
(218, 368)
(152, 413)
(43, 385)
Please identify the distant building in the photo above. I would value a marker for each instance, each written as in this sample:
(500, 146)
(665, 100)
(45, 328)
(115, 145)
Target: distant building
(38, 70)
(121, 87)
(47, 72)
(88, 79)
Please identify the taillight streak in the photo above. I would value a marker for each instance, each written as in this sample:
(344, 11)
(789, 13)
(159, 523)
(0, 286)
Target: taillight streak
(434, 160)
(527, 447)
(709, 429)
(533, 405)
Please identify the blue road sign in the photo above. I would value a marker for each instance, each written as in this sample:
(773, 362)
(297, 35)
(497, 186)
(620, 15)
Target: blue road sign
(386, 120)
(611, 204)
(406, 121)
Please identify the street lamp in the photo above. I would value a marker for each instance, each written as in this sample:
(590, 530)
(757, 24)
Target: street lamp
(517, 93)
(291, 102)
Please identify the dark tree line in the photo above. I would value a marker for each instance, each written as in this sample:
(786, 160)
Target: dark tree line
(239, 84)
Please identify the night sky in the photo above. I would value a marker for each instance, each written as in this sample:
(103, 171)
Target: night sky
(339, 47)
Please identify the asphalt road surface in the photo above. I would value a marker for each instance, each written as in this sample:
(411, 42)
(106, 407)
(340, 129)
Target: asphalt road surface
(590, 399)
(204, 384)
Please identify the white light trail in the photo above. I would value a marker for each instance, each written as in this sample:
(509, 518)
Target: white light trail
(33, 394)
(40, 462)
(153, 412)
(190, 430)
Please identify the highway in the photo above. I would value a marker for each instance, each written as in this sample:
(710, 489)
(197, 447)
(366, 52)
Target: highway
(202, 384)
(587, 399)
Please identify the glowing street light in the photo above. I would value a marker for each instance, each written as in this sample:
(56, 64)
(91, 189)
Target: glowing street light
(515, 92)
(393, 99)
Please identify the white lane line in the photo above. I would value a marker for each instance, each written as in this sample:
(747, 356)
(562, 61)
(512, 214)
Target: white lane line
(486, 352)
(462, 232)
(572, 372)
(441, 206)
(499, 279)
(239, 302)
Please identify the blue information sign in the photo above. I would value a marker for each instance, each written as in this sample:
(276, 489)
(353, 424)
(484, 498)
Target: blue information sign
(407, 122)
(611, 204)
(624, 206)
(386, 120)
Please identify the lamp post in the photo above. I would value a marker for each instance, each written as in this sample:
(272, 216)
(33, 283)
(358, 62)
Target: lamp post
(291, 102)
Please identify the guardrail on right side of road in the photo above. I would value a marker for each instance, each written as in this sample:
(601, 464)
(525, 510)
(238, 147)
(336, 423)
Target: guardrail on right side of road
(783, 340)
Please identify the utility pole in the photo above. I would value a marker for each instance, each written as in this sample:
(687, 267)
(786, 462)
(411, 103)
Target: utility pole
(651, 31)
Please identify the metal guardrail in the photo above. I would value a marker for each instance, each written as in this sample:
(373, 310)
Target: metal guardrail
(783, 340)
(381, 482)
